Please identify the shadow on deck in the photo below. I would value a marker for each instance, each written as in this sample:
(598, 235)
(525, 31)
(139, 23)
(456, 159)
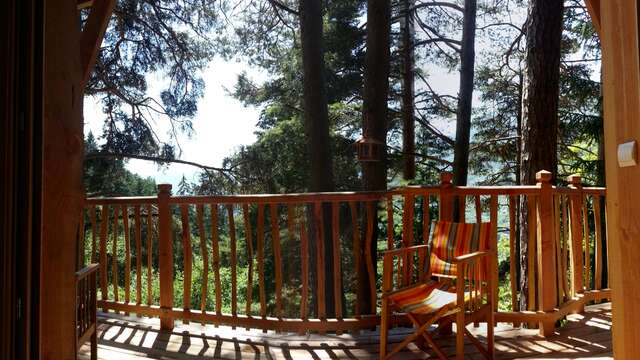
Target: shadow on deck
(586, 335)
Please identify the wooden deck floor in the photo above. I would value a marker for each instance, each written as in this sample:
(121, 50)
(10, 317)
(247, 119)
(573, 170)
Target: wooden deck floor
(586, 335)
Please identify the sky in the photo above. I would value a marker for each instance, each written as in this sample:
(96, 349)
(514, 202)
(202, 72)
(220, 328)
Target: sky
(221, 124)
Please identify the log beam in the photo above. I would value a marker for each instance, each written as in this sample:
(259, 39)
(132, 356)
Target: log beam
(593, 7)
(92, 34)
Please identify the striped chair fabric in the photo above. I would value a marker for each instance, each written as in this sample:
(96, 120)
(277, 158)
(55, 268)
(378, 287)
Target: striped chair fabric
(451, 240)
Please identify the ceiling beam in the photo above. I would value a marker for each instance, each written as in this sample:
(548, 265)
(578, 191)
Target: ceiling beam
(593, 6)
(92, 35)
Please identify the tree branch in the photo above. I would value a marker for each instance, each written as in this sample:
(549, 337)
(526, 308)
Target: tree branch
(102, 155)
(284, 7)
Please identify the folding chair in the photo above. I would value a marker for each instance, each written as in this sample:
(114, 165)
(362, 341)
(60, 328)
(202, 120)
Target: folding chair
(455, 283)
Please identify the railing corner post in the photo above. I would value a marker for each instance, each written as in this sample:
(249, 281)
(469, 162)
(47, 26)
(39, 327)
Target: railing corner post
(446, 196)
(546, 250)
(165, 263)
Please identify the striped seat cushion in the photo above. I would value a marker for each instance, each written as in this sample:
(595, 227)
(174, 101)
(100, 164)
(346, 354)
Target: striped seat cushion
(451, 240)
(425, 298)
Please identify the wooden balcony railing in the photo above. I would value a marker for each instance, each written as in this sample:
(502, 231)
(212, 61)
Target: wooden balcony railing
(86, 325)
(262, 261)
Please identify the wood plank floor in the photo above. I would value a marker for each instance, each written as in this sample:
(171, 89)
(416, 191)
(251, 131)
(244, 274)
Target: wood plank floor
(586, 335)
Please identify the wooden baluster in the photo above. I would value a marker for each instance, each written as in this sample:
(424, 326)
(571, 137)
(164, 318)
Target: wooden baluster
(565, 250)
(587, 242)
(320, 274)
(94, 233)
(558, 250)
(114, 254)
(493, 218)
(234, 261)
(289, 271)
(598, 239)
(187, 254)
(247, 232)
(215, 249)
(531, 254)
(371, 213)
(304, 264)
(337, 257)
(462, 208)
(426, 223)
(546, 250)
(391, 237)
(275, 239)
(576, 235)
(82, 239)
(407, 236)
(260, 254)
(478, 206)
(512, 254)
(356, 254)
(127, 254)
(390, 231)
(426, 218)
(202, 233)
(138, 235)
(165, 258)
(149, 255)
(104, 223)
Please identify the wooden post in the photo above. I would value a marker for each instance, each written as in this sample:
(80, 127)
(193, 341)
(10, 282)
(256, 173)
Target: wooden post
(446, 196)
(547, 294)
(165, 249)
(576, 202)
(619, 39)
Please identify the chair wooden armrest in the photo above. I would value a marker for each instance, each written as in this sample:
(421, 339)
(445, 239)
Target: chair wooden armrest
(470, 257)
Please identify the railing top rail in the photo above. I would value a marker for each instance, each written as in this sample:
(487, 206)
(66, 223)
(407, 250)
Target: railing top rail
(584, 190)
(122, 200)
(86, 271)
(280, 198)
(344, 196)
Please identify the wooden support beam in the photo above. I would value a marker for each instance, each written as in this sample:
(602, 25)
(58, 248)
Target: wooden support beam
(593, 7)
(92, 35)
(62, 190)
(620, 60)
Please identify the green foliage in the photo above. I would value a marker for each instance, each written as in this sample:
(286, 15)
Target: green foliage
(109, 177)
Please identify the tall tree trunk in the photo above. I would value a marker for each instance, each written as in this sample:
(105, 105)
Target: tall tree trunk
(517, 172)
(408, 92)
(539, 109)
(316, 117)
(465, 95)
(376, 89)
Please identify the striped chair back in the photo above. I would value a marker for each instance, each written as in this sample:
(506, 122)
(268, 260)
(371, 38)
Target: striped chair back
(452, 239)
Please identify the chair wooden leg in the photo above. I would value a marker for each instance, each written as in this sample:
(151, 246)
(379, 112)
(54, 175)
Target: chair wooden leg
(434, 346)
(460, 335)
(384, 328)
(491, 334)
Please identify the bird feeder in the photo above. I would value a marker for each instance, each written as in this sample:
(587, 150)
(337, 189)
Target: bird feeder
(369, 149)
